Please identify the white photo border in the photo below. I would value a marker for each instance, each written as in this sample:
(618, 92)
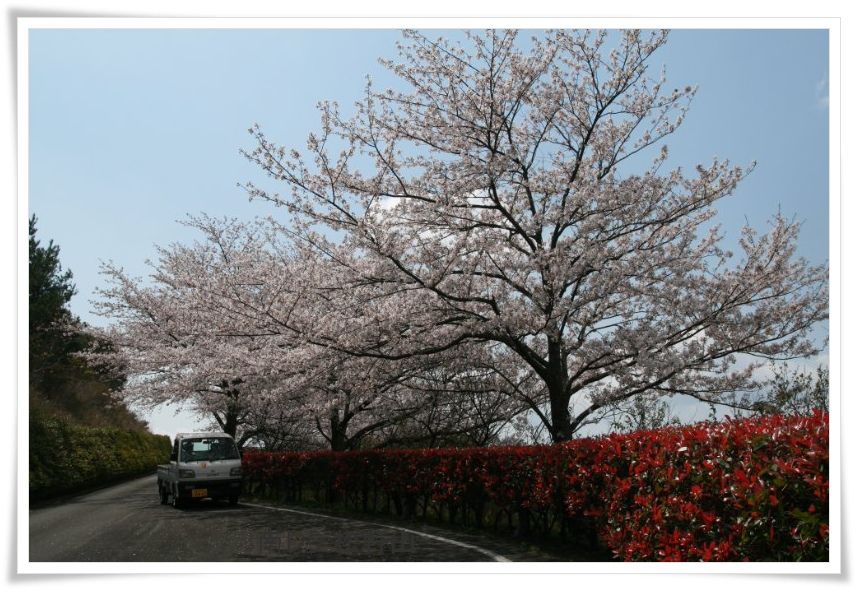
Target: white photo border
(833, 25)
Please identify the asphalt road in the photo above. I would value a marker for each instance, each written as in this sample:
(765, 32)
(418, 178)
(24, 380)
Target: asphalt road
(126, 522)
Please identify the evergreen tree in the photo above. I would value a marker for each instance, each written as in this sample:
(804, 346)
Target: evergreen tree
(61, 382)
(52, 325)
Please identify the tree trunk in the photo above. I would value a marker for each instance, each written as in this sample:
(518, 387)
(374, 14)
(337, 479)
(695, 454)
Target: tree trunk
(338, 431)
(562, 431)
(229, 421)
(230, 425)
(557, 387)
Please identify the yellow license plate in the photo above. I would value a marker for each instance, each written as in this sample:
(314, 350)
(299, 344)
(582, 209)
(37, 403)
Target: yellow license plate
(199, 492)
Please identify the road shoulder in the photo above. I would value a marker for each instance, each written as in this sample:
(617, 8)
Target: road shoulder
(496, 547)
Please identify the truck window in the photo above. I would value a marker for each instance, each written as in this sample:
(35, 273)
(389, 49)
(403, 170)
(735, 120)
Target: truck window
(208, 449)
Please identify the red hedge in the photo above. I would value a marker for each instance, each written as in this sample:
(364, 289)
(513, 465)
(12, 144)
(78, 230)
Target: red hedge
(751, 489)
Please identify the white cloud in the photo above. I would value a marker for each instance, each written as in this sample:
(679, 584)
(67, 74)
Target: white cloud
(821, 92)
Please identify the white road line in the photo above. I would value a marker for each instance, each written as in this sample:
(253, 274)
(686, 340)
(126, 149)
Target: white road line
(485, 551)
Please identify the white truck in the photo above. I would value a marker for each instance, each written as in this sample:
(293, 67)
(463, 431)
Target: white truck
(202, 465)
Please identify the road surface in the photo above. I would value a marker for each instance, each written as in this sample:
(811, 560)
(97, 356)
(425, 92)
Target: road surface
(126, 522)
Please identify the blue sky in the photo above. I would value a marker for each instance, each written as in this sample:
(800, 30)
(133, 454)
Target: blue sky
(130, 130)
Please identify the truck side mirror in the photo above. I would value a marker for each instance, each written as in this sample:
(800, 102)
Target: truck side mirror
(173, 457)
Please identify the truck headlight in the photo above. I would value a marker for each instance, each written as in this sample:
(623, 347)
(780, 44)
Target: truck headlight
(235, 472)
(186, 474)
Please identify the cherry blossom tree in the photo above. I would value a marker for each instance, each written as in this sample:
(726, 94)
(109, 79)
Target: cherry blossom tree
(230, 324)
(350, 398)
(173, 353)
(461, 400)
(505, 196)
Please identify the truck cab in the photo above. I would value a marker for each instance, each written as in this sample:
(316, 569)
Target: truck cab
(202, 465)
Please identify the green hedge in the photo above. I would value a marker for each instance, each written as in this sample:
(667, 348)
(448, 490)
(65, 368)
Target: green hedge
(65, 457)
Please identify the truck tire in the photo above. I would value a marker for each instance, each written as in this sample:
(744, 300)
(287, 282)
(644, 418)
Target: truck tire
(164, 499)
(177, 502)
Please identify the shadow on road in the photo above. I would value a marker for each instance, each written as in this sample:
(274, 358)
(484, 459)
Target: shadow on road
(206, 506)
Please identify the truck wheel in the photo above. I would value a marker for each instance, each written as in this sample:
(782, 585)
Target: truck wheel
(176, 500)
(163, 495)
(233, 499)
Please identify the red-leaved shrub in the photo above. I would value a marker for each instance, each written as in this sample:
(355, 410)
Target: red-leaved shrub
(750, 489)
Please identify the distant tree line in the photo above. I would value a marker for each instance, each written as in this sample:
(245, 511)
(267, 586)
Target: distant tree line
(62, 384)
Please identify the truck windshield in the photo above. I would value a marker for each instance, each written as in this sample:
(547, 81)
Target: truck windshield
(208, 449)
